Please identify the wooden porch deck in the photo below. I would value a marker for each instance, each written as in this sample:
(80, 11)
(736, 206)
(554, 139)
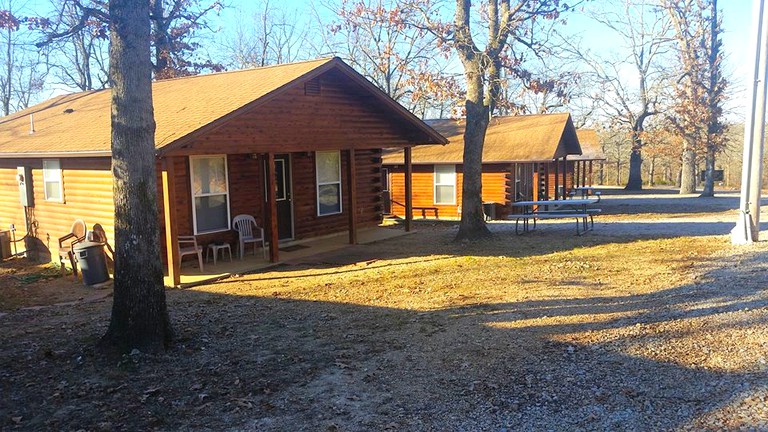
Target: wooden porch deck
(289, 251)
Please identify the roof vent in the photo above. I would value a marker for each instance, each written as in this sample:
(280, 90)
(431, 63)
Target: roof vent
(31, 124)
(69, 111)
(312, 87)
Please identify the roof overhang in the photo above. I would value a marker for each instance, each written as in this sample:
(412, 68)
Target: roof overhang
(56, 155)
(484, 162)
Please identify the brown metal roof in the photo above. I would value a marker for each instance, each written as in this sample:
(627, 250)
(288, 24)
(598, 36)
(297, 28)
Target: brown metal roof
(527, 138)
(79, 124)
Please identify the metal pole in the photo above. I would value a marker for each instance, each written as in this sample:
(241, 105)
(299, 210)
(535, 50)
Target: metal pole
(748, 224)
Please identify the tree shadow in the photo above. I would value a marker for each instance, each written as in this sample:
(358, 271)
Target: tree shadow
(274, 363)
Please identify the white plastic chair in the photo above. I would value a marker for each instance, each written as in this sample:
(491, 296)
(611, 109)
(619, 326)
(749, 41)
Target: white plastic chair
(249, 232)
(188, 246)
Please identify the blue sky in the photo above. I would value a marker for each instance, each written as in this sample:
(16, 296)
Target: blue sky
(736, 14)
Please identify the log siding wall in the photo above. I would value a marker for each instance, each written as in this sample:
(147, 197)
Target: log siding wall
(342, 116)
(498, 183)
(494, 179)
(87, 185)
(246, 195)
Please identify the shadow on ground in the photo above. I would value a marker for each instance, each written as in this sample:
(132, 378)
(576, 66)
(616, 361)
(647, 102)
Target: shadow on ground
(260, 363)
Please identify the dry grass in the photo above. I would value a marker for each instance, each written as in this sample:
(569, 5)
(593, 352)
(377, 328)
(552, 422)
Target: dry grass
(508, 270)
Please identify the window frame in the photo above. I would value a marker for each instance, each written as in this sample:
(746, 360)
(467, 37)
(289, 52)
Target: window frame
(192, 193)
(385, 176)
(318, 184)
(435, 184)
(59, 180)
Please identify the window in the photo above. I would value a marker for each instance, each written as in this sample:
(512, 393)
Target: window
(210, 193)
(52, 180)
(328, 165)
(445, 184)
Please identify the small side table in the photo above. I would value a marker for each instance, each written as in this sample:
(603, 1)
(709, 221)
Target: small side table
(215, 248)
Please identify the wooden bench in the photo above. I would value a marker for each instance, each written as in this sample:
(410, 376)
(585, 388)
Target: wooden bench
(424, 211)
(586, 219)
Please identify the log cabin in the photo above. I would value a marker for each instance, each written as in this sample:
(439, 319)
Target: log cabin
(298, 146)
(527, 157)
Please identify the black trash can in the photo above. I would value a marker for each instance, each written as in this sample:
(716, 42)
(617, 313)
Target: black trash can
(93, 262)
(489, 208)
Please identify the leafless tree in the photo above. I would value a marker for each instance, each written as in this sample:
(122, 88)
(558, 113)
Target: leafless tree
(388, 42)
(630, 83)
(81, 59)
(272, 35)
(22, 73)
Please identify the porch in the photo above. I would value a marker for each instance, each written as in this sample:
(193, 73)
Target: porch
(190, 275)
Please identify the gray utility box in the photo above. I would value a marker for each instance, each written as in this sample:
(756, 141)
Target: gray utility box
(93, 262)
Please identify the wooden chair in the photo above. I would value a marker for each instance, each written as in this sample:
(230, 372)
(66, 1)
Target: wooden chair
(249, 232)
(67, 245)
(99, 235)
(188, 246)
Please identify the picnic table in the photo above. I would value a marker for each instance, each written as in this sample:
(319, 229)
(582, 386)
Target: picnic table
(585, 192)
(577, 208)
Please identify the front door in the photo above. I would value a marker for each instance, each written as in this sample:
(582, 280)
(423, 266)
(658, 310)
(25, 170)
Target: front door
(284, 196)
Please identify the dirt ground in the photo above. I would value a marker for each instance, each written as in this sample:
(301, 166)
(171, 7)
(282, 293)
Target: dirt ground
(653, 321)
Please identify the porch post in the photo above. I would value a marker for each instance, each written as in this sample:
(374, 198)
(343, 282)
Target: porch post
(408, 189)
(576, 176)
(556, 162)
(274, 251)
(171, 239)
(591, 180)
(565, 176)
(352, 186)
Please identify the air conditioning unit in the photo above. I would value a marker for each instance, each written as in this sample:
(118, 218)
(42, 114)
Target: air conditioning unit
(5, 245)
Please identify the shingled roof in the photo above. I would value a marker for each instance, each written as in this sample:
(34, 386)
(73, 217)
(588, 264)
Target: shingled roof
(525, 138)
(590, 145)
(79, 124)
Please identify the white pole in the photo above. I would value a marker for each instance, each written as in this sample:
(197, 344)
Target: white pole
(748, 224)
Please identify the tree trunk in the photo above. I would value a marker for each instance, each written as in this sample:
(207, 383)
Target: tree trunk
(601, 173)
(162, 69)
(688, 172)
(709, 174)
(8, 72)
(139, 313)
(635, 179)
(472, 220)
(651, 171)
